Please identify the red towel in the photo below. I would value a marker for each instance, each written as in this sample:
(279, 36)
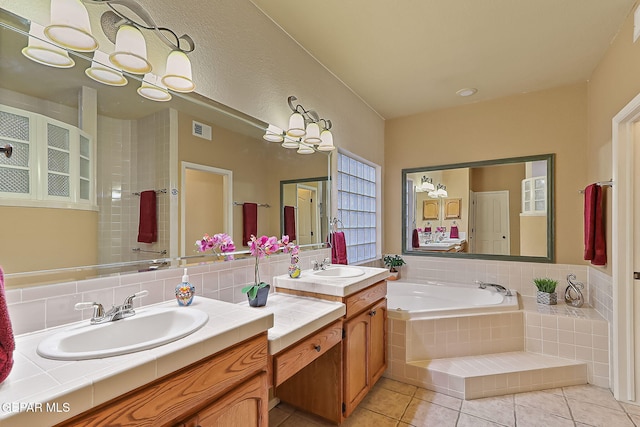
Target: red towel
(595, 244)
(453, 234)
(148, 226)
(7, 342)
(249, 222)
(415, 239)
(338, 248)
(290, 222)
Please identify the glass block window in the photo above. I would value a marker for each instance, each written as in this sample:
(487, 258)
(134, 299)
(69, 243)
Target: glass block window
(534, 195)
(357, 191)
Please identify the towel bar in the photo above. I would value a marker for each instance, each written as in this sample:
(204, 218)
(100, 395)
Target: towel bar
(162, 252)
(601, 184)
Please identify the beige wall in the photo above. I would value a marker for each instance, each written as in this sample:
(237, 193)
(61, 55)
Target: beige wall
(613, 84)
(550, 121)
(70, 238)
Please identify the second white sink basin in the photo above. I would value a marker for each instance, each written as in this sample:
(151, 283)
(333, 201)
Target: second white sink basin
(339, 271)
(148, 328)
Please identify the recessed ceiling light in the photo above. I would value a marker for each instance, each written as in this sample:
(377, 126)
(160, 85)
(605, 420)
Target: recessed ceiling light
(467, 91)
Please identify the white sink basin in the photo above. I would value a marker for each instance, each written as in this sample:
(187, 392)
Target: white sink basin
(148, 328)
(339, 272)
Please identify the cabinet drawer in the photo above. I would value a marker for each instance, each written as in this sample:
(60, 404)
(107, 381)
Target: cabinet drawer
(165, 400)
(366, 297)
(288, 362)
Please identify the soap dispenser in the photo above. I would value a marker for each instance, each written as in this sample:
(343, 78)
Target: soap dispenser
(185, 291)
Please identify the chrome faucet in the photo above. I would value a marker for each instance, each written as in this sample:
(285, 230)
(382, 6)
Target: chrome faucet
(499, 288)
(322, 265)
(116, 312)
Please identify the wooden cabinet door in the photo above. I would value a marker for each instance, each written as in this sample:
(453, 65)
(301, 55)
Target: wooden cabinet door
(356, 355)
(377, 341)
(245, 405)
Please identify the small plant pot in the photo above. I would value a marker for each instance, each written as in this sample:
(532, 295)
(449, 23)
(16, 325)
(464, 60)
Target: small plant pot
(547, 298)
(393, 275)
(261, 299)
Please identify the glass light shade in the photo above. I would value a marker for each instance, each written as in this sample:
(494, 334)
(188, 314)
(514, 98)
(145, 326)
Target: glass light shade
(296, 125)
(70, 26)
(178, 72)
(131, 51)
(327, 141)
(153, 89)
(43, 52)
(441, 192)
(427, 186)
(433, 194)
(103, 71)
(312, 134)
(274, 134)
(305, 149)
(290, 144)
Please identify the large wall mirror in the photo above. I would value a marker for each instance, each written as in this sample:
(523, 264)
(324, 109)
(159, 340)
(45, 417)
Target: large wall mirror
(84, 153)
(499, 209)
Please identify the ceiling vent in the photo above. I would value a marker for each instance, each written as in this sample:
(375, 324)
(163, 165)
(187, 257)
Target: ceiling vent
(201, 130)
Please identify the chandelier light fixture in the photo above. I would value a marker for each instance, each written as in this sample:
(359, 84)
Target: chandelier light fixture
(307, 132)
(123, 25)
(440, 191)
(426, 184)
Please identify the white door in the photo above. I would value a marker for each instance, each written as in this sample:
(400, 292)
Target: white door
(491, 234)
(306, 229)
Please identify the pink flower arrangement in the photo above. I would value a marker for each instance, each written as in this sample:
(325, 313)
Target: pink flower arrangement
(219, 244)
(441, 229)
(264, 246)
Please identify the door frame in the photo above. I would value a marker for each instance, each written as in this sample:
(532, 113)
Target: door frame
(227, 197)
(622, 348)
(314, 224)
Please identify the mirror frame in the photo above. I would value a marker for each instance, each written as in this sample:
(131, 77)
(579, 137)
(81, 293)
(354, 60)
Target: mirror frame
(301, 180)
(550, 258)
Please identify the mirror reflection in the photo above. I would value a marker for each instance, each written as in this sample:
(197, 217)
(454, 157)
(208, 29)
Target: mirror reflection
(493, 209)
(87, 155)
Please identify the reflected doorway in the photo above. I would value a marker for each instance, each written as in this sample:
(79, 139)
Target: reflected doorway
(491, 222)
(307, 219)
(205, 204)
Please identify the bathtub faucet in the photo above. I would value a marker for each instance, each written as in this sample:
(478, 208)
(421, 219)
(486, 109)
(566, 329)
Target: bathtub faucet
(499, 288)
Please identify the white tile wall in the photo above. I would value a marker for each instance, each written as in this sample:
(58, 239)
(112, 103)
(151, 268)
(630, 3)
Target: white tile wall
(35, 308)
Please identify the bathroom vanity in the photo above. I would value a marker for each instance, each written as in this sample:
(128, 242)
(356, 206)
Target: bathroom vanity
(342, 377)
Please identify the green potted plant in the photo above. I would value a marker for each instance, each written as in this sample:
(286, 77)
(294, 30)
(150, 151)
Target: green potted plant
(393, 262)
(546, 291)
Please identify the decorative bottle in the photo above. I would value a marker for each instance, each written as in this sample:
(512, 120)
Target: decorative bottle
(185, 291)
(294, 269)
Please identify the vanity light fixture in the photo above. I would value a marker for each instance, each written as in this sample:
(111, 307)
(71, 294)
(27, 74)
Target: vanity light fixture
(153, 89)
(426, 184)
(70, 26)
(307, 132)
(70, 29)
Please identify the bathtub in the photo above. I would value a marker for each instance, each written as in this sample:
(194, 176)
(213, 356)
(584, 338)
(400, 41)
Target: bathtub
(413, 300)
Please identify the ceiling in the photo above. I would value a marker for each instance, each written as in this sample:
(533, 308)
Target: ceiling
(409, 56)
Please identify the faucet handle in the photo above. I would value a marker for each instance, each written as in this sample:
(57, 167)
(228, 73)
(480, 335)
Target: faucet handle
(98, 310)
(128, 301)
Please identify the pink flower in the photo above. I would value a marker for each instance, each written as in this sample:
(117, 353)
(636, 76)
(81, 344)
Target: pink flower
(220, 241)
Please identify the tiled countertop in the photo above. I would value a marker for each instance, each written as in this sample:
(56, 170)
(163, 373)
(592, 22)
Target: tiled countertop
(42, 392)
(309, 281)
(296, 317)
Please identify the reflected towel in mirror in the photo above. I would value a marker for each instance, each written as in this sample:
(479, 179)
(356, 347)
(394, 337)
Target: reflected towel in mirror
(148, 225)
(290, 222)
(249, 221)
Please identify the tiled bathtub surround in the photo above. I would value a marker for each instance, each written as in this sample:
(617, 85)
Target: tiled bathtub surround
(40, 307)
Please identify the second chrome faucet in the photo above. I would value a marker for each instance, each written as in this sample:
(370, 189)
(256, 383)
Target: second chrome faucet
(116, 312)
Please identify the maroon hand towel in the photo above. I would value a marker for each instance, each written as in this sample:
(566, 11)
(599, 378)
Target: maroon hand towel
(249, 222)
(595, 245)
(148, 225)
(454, 234)
(7, 342)
(415, 239)
(338, 248)
(290, 222)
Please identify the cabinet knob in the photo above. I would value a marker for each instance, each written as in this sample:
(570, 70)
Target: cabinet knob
(372, 313)
(318, 348)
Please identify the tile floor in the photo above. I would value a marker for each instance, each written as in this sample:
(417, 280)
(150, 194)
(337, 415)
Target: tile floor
(392, 403)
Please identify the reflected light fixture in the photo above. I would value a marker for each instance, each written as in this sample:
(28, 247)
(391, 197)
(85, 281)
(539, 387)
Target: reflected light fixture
(153, 89)
(70, 26)
(426, 184)
(102, 70)
(44, 52)
(131, 51)
(307, 132)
